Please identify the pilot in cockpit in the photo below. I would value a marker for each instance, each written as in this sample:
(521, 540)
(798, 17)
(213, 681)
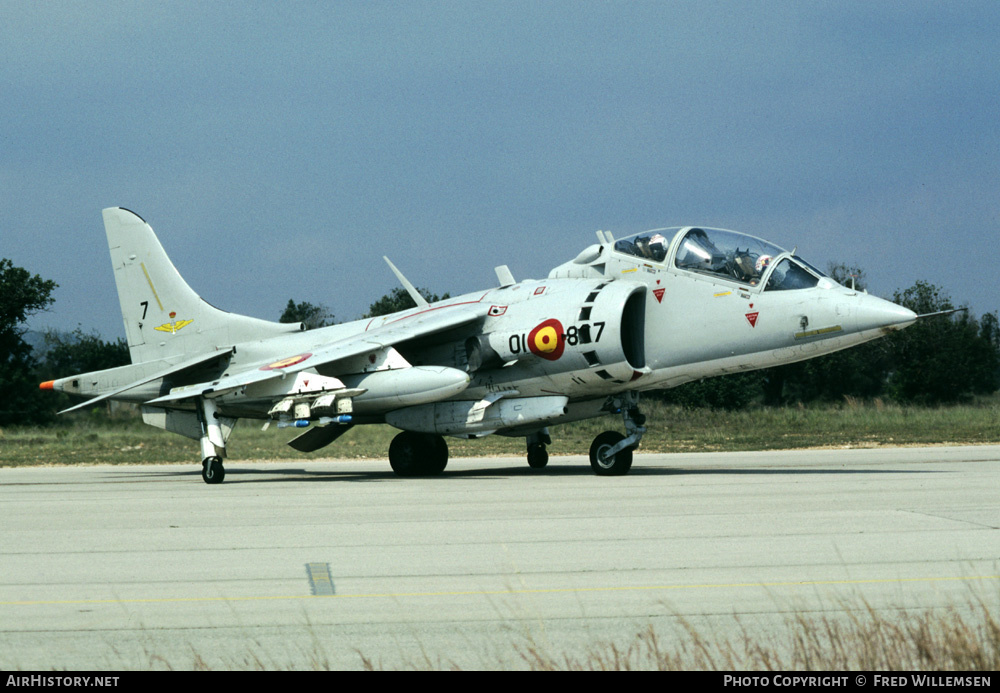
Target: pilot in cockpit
(748, 267)
(654, 247)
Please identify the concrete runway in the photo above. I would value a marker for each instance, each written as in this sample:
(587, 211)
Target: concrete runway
(139, 567)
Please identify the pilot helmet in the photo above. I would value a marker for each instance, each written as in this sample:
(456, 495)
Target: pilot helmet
(762, 262)
(657, 246)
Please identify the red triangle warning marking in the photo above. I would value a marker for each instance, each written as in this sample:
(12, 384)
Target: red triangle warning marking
(752, 318)
(659, 294)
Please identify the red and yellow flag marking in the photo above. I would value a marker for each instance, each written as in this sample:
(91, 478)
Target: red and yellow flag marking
(547, 340)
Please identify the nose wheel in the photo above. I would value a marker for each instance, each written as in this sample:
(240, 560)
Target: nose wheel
(611, 452)
(608, 457)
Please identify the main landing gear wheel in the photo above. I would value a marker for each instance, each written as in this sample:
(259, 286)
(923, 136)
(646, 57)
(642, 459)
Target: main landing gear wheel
(614, 465)
(538, 456)
(418, 454)
(212, 470)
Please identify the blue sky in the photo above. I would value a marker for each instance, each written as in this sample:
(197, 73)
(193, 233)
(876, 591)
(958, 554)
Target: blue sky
(280, 149)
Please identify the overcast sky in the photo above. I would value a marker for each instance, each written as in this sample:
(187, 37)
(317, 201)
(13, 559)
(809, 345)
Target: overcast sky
(280, 149)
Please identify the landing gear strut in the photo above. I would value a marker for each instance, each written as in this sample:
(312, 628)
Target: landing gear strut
(418, 454)
(213, 443)
(611, 452)
(538, 456)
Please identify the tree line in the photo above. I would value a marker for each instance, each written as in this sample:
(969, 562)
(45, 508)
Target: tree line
(939, 360)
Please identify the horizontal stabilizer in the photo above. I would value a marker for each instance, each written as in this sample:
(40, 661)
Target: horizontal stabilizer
(191, 363)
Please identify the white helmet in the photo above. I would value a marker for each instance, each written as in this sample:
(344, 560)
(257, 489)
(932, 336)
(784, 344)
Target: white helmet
(658, 246)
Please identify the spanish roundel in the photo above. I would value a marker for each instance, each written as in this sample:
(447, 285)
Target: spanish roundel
(285, 363)
(547, 340)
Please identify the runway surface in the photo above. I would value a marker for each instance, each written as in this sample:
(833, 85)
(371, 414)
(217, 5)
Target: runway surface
(323, 564)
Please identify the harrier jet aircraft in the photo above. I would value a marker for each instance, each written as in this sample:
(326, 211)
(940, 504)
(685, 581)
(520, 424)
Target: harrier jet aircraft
(653, 310)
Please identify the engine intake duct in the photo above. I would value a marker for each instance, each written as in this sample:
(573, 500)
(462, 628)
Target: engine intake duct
(633, 333)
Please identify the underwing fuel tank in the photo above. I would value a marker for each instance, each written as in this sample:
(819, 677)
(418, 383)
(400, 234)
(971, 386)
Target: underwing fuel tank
(404, 387)
(465, 417)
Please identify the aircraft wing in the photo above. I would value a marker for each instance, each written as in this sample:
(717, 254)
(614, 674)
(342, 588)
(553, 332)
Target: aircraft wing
(421, 324)
(424, 323)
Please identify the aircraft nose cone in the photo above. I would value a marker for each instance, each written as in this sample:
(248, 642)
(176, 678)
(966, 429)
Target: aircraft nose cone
(874, 313)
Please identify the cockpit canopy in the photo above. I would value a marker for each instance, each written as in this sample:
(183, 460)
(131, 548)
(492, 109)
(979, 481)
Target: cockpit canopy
(651, 245)
(726, 255)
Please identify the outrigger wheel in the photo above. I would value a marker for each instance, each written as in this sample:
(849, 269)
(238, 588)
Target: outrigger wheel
(212, 470)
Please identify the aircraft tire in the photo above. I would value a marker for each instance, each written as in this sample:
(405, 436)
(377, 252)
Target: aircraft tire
(439, 460)
(212, 471)
(617, 465)
(418, 454)
(538, 456)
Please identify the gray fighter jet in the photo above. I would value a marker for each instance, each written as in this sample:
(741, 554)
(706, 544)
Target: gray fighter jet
(646, 312)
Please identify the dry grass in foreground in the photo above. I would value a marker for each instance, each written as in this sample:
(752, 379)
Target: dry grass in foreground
(858, 639)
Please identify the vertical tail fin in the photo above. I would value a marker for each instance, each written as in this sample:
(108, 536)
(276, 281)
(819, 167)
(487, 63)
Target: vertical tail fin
(163, 316)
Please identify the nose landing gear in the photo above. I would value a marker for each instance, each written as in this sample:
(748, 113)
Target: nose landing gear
(611, 452)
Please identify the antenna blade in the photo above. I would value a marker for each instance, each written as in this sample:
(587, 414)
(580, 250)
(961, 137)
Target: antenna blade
(504, 276)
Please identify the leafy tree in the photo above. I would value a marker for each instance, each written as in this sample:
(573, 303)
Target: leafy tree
(728, 392)
(312, 315)
(945, 358)
(859, 371)
(397, 300)
(989, 331)
(21, 295)
(77, 352)
(851, 276)
(65, 354)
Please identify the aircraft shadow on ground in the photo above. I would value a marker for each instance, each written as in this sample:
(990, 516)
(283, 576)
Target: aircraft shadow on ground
(237, 475)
